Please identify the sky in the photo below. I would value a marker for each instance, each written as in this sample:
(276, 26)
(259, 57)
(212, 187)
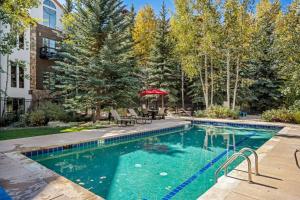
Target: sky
(156, 4)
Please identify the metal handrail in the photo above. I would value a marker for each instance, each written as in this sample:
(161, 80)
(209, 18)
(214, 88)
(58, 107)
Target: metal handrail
(295, 154)
(229, 161)
(255, 158)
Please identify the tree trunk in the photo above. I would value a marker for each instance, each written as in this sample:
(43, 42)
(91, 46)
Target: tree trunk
(182, 89)
(236, 82)
(206, 82)
(6, 87)
(203, 84)
(98, 106)
(228, 77)
(212, 82)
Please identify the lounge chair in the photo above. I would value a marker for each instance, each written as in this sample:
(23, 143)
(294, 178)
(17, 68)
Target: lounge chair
(161, 113)
(139, 119)
(121, 121)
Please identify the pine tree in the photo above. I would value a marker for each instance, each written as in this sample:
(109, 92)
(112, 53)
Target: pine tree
(97, 66)
(164, 71)
(267, 82)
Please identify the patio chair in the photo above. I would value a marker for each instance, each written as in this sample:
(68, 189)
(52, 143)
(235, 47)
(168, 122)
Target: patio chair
(139, 119)
(145, 112)
(121, 120)
(161, 113)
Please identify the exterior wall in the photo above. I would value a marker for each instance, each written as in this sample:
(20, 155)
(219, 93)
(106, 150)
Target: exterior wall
(43, 65)
(35, 67)
(18, 54)
(38, 14)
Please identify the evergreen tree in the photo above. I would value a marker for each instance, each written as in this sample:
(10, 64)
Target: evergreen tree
(287, 45)
(164, 71)
(267, 82)
(97, 65)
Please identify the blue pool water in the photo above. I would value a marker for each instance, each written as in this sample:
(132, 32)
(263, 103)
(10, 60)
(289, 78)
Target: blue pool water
(175, 165)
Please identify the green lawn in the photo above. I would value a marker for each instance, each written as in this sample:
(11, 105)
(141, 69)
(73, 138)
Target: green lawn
(31, 132)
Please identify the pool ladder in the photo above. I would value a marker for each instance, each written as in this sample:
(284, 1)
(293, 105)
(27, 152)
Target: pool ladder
(241, 153)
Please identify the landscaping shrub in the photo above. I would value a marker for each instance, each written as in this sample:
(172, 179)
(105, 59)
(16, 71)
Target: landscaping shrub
(54, 112)
(23, 121)
(218, 112)
(297, 117)
(295, 106)
(8, 119)
(37, 118)
(279, 115)
(200, 113)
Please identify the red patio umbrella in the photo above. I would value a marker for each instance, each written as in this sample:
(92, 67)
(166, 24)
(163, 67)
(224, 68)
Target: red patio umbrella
(154, 92)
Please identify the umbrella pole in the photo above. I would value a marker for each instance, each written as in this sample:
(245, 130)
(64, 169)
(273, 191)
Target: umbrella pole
(162, 101)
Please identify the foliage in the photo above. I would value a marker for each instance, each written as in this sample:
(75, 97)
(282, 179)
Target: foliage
(297, 117)
(37, 118)
(23, 121)
(218, 112)
(267, 82)
(144, 33)
(42, 114)
(54, 112)
(14, 13)
(288, 52)
(295, 106)
(279, 115)
(97, 65)
(164, 71)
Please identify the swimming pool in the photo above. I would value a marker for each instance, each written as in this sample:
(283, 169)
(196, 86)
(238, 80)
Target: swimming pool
(176, 164)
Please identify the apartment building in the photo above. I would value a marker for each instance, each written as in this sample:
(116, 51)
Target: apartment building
(24, 69)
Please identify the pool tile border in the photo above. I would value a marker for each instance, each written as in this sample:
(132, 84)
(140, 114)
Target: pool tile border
(237, 124)
(104, 141)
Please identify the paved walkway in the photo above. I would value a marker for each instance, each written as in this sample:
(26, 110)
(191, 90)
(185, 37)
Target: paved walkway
(24, 178)
(76, 137)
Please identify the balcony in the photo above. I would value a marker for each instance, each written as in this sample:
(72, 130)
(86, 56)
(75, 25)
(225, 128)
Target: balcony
(48, 52)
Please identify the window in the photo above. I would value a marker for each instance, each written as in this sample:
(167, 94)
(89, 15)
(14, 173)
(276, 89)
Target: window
(21, 77)
(13, 74)
(49, 4)
(15, 105)
(21, 41)
(14, 78)
(51, 44)
(49, 15)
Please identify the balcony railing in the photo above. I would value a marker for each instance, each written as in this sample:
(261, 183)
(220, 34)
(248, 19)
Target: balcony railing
(48, 52)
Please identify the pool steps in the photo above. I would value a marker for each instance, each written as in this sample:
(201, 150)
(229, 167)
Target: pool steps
(241, 153)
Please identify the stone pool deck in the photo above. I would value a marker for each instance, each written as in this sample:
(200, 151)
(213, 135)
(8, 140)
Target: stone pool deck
(279, 176)
(25, 179)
